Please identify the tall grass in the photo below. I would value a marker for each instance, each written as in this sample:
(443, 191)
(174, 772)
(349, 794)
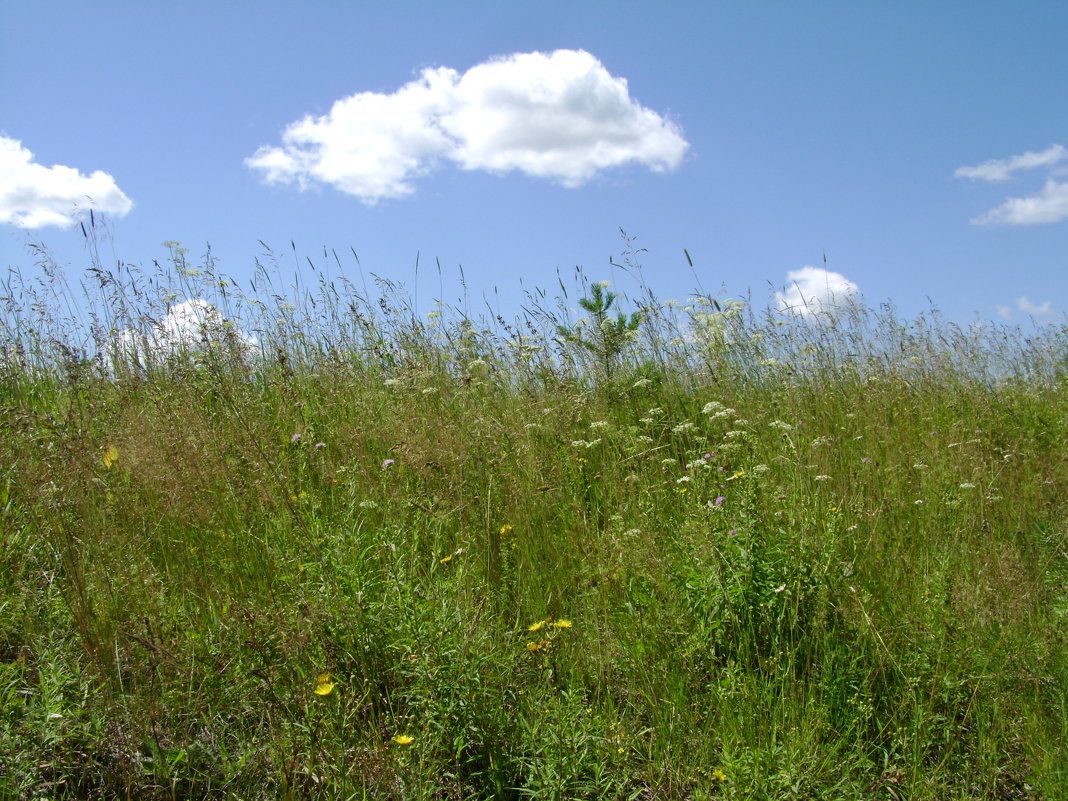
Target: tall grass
(320, 545)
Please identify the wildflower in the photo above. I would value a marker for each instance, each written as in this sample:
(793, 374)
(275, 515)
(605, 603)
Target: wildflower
(562, 624)
(738, 474)
(111, 455)
(295, 438)
(732, 533)
(821, 478)
(967, 485)
(640, 383)
(536, 626)
(712, 406)
(323, 684)
(506, 528)
(445, 560)
(320, 445)
(599, 424)
(708, 456)
(537, 646)
(682, 480)
(719, 501)
(403, 739)
(719, 774)
(779, 424)
(682, 428)
(388, 463)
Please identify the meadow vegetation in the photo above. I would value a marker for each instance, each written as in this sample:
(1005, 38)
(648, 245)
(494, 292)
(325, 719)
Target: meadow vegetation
(614, 548)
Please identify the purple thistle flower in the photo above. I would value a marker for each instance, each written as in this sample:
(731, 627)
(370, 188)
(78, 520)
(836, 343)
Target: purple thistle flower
(387, 463)
(295, 438)
(732, 533)
(320, 445)
(720, 500)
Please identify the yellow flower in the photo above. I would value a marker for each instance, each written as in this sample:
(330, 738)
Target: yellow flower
(537, 646)
(719, 774)
(403, 739)
(562, 624)
(506, 528)
(446, 560)
(537, 625)
(110, 456)
(323, 684)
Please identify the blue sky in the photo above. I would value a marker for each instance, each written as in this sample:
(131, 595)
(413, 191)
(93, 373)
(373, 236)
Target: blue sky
(921, 147)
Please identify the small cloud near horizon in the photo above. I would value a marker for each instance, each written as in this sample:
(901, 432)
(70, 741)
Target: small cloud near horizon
(814, 291)
(186, 327)
(1025, 306)
(559, 116)
(35, 196)
(1047, 206)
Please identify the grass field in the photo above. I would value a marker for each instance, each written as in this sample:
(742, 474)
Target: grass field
(338, 549)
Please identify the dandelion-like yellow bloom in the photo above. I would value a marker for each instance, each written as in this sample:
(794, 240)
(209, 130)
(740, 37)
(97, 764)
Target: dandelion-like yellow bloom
(446, 559)
(719, 774)
(537, 646)
(403, 739)
(562, 624)
(506, 528)
(323, 684)
(110, 456)
(536, 626)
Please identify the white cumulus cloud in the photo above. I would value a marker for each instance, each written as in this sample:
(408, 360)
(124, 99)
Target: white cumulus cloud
(1047, 206)
(34, 196)
(1026, 306)
(814, 291)
(188, 326)
(560, 116)
(1001, 169)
